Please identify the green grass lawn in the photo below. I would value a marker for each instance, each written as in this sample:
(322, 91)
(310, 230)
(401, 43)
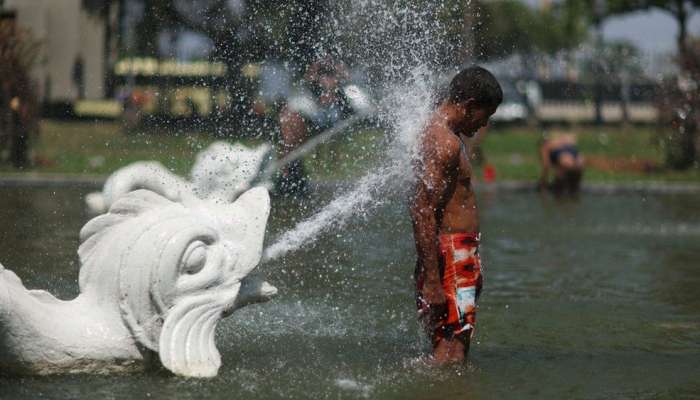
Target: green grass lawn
(613, 154)
(101, 147)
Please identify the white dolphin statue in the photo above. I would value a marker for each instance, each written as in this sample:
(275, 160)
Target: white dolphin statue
(156, 277)
(221, 172)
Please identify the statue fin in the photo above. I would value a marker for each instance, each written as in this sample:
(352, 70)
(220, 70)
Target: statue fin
(187, 340)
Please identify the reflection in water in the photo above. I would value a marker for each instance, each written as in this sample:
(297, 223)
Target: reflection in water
(40, 234)
(584, 299)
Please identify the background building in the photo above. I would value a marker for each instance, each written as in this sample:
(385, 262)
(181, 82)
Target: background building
(72, 60)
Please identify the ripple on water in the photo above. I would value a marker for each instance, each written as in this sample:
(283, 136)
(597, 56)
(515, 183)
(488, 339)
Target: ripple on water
(679, 229)
(352, 385)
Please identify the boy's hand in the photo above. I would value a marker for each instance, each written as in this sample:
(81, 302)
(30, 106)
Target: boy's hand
(437, 314)
(434, 296)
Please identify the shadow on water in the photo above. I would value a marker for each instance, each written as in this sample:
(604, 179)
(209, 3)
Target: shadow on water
(587, 299)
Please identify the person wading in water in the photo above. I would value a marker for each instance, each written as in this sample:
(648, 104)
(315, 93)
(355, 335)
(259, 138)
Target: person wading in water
(444, 214)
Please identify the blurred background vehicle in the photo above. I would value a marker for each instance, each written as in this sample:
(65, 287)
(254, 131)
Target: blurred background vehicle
(515, 107)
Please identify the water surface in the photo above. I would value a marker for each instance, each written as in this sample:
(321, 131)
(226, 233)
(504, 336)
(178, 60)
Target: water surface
(589, 299)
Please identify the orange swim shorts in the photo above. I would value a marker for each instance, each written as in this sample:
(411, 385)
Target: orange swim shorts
(460, 270)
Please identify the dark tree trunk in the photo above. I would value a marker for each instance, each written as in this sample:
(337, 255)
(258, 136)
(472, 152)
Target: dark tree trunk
(625, 98)
(689, 125)
(113, 18)
(598, 102)
(304, 31)
(682, 18)
(227, 51)
(149, 28)
(471, 19)
(598, 73)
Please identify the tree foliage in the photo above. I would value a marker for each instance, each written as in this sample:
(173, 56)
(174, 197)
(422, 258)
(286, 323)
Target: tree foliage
(498, 29)
(240, 31)
(680, 10)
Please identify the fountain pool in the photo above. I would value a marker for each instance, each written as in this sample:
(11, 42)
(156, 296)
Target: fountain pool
(592, 299)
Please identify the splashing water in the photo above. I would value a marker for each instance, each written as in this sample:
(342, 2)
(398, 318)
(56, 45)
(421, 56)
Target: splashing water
(367, 194)
(407, 40)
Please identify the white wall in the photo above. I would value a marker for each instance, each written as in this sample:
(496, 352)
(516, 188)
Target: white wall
(64, 31)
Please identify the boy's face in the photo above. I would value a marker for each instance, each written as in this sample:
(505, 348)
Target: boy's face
(474, 117)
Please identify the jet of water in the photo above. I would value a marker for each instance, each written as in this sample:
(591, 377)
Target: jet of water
(363, 197)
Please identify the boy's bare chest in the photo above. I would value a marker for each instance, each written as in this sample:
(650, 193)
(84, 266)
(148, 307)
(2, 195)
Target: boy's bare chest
(464, 177)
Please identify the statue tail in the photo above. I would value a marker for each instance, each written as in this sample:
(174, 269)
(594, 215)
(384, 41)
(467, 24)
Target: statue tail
(13, 291)
(10, 286)
(4, 293)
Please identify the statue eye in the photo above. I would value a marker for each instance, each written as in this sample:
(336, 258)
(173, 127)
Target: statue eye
(195, 258)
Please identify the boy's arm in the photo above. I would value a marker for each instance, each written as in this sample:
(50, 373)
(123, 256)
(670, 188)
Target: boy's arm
(434, 186)
(292, 130)
(312, 72)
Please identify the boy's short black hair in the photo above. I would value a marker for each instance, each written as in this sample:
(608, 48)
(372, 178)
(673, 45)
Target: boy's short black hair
(476, 83)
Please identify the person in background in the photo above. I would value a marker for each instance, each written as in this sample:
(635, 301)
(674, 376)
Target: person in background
(324, 79)
(560, 156)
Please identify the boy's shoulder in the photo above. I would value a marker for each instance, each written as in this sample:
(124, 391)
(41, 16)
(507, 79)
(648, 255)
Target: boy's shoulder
(440, 138)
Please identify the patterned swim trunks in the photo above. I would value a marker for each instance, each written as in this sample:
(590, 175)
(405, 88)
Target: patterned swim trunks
(460, 270)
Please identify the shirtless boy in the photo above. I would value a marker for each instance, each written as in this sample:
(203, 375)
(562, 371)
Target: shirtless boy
(445, 218)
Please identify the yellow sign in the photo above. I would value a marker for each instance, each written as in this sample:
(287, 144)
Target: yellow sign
(154, 67)
(97, 108)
